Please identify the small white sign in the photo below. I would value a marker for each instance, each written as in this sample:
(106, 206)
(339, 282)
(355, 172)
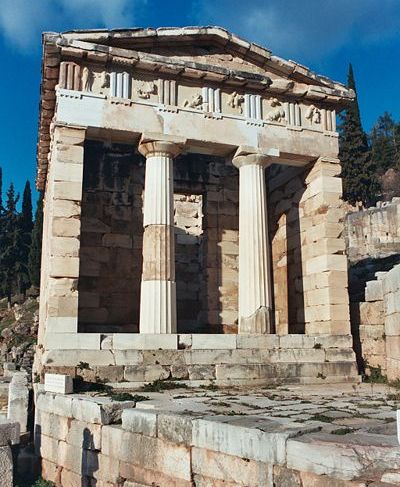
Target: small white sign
(62, 384)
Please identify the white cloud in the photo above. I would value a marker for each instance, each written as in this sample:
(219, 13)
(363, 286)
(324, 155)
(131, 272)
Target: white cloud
(22, 21)
(309, 28)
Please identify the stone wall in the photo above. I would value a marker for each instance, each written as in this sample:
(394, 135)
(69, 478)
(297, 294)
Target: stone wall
(95, 441)
(374, 232)
(225, 360)
(377, 324)
(309, 262)
(206, 227)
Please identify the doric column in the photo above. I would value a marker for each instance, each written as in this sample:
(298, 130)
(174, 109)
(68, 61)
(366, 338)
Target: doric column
(255, 289)
(158, 289)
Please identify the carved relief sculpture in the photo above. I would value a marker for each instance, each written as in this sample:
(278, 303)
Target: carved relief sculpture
(87, 79)
(313, 114)
(196, 102)
(145, 89)
(278, 112)
(236, 101)
(104, 79)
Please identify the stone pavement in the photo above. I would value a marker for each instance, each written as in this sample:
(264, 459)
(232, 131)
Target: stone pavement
(339, 435)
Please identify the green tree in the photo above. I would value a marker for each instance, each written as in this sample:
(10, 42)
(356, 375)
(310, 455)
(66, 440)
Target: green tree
(24, 236)
(360, 182)
(9, 254)
(385, 143)
(36, 245)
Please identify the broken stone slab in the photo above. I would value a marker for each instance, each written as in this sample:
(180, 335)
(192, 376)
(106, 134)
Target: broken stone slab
(251, 437)
(61, 384)
(6, 466)
(18, 400)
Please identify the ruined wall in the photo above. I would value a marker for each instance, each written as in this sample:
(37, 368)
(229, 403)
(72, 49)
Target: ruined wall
(374, 232)
(206, 236)
(377, 324)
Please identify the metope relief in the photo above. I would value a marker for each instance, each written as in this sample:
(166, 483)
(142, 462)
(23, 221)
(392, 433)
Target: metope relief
(236, 101)
(313, 115)
(195, 102)
(145, 88)
(277, 113)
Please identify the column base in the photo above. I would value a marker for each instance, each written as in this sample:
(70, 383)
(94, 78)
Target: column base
(260, 322)
(158, 307)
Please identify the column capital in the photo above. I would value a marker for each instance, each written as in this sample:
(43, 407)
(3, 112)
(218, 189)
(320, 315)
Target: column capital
(159, 144)
(246, 155)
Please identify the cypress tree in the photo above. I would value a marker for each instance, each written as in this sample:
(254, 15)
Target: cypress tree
(360, 182)
(24, 236)
(385, 144)
(9, 245)
(36, 245)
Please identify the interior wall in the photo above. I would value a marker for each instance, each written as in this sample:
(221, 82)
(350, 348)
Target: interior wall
(206, 241)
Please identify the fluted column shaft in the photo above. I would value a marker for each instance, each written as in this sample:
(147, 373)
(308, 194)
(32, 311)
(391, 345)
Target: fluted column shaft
(255, 289)
(158, 287)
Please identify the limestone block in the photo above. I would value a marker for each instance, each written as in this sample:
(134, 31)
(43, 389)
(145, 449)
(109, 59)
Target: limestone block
(334, 327)
(50, 471)
(72, 341)
(324, 246)
(140, 421)
(51, 425)
(330, 279)
(66, 209)
(391, 280)
(74, 357)
(257, 341)
(84, 435)
(392, 324)
(335, 341)
(323, 184)
(117, 240)
(175, 428)
(324, 263)
(295, 341)
(179, 372)
(68, 172)
(205, 357)
(143, 341)
(64, 267)
(64, 246)
(163, 357)
(63, 306)
(213, 342)
(9, 433)
(99, 410)
(296, 355)
(340, 355)
(109, 373)
(66, 227)
(229, 468)
(322, 455)
(375, 331)
(18, 400)
(62, 384)
(62, 324)
(264, 443)
(47, 448)
(71, 191)
(128, 357)
(149, 373)
(250, 371)
(392, 302)
(8, 369)
(6, 466)
(333, 312)
(68, 153)
(153, 453)
(315, 297)
(201, 372)
(371, 313)
(323, 230)
(374, 291)
(54, 404)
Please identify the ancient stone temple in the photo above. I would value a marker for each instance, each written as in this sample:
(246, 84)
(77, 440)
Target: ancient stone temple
(192, 211)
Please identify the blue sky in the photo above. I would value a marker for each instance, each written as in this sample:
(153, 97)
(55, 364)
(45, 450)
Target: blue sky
(324, 35)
